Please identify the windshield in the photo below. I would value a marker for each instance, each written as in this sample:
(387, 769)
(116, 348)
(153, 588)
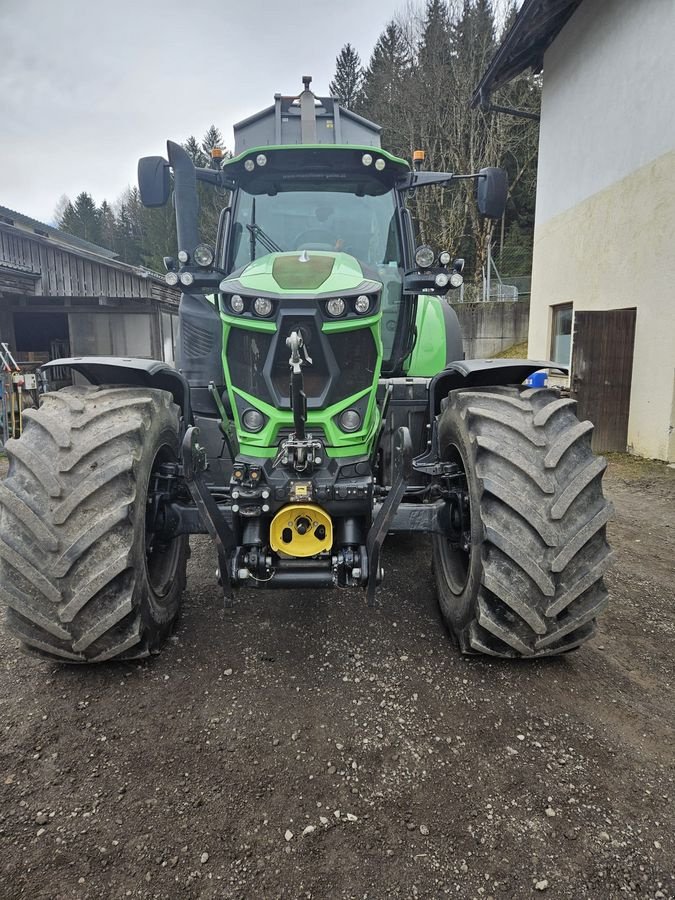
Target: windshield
(364, 226)
(316, 220)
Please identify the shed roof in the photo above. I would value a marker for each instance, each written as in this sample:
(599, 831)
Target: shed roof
(19, 220)
(534, 29)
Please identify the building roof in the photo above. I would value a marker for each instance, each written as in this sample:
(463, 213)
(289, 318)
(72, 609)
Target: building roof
(534, 29)
(11, 217)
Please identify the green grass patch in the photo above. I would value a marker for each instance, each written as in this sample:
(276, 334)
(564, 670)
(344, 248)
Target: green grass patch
(516, 351)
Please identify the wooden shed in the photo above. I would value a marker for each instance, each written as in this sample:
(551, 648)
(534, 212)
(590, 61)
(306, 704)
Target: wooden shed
(63, 296)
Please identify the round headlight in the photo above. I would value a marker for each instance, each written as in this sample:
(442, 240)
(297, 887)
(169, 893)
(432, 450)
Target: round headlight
(186, 278)
(236, 303)
(183, 256)
(442, 280)
(424, 257)
(362, 304)
(335, 306)
(262, 306)
(203, 255)
(261, 159)
(367, 159)
(350, 420)
(249, 165)
(444, 258)
(379, 164)
(456, 279)
(171, 278)
(252, 420)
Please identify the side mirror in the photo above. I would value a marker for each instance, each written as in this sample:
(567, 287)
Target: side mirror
(491, 192)
(153, 180)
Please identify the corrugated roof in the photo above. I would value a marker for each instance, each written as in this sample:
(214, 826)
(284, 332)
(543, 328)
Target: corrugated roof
(534, 29)
(12, 217)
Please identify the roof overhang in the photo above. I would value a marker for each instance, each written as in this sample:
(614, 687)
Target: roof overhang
(534, 29)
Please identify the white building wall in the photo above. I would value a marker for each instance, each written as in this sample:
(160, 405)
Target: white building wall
(605, 217)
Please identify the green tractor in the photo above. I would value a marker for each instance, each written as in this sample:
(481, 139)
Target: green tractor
(321, 402)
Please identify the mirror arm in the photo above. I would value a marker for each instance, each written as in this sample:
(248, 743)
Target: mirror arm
(211, 176)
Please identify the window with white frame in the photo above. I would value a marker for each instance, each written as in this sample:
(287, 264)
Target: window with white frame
(561, 333)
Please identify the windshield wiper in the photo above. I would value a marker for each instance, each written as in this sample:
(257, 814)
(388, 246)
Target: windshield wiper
(257, 234)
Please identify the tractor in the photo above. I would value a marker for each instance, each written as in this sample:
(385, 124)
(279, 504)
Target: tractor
(320, 402)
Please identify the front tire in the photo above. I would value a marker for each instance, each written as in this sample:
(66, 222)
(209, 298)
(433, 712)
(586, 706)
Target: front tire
(81, 580)
(526, 580)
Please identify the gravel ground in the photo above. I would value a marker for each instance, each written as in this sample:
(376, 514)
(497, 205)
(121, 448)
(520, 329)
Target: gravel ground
(306, 746)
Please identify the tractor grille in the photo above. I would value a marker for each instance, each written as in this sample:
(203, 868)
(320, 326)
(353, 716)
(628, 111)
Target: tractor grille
(342, 363)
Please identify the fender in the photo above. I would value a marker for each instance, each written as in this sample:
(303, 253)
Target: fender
(467, 373)
(150, 373)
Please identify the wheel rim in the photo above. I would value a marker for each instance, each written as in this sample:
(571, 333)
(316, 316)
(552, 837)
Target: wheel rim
(456, 546)
(161, 556)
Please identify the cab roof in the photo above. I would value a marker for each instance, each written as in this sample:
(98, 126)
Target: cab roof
(270, 169)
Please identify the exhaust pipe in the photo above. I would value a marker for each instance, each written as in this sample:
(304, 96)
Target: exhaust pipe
(186, 199)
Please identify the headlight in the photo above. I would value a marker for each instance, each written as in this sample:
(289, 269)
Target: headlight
(444, 257)
(262, 306)
(186, 278)
(171, 278)
(261, 159)
(236, 303)
(335, 306)
(183, 256)
(379, 164)
(367, 159)
(442, 280)
(362, 304)
(350, 420)
(424, 257)
(252, 420)
(203, 255)
(249, 165)
(456, 279)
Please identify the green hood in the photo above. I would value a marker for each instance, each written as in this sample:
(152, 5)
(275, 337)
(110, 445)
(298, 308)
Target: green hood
(299, 271)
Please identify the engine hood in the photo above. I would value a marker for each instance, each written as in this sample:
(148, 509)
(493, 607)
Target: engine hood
(308, 271)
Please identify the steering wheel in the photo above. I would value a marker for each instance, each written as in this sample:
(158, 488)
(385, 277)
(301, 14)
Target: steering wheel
(315, 236)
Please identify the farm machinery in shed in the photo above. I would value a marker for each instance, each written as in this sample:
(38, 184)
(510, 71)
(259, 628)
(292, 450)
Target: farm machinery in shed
(321, 402)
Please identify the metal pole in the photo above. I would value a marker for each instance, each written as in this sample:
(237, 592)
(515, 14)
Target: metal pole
(487, 268)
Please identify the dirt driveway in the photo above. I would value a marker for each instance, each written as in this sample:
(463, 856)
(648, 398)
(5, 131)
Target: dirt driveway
(306, 746)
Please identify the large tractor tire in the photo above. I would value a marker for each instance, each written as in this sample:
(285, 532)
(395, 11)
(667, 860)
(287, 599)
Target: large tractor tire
(81, 580)
(519, 573)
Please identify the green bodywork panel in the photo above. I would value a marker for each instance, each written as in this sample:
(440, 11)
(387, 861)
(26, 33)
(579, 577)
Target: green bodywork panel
(283, 273)
(339, 272)
(429, 353)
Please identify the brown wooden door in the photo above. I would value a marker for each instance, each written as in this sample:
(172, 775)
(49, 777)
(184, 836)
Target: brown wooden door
(602, 365)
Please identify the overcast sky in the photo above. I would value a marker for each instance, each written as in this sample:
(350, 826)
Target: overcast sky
(88, 86)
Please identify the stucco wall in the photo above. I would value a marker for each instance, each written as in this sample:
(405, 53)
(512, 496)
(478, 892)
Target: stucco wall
(605, 220)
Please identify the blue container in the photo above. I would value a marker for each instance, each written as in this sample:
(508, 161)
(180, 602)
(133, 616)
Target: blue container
(537, 379)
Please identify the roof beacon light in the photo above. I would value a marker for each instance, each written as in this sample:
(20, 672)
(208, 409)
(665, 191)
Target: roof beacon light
(418, 158)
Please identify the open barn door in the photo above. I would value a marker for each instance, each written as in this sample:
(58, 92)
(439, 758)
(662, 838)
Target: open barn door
(602, 365)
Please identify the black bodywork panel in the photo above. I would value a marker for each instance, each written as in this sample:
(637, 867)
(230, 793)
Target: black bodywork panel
(131, 372)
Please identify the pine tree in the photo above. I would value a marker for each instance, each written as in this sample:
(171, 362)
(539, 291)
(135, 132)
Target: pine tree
(82, 218)
(346, 85)
(211, 140)
(107, 221)
(383, 96)
(195, 152)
